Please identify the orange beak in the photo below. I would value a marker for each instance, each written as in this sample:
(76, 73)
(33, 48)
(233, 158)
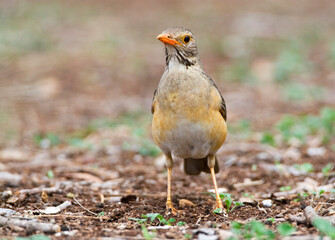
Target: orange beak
(167, 39)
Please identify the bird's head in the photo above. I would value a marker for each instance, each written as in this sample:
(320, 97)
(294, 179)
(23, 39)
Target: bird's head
(180, 46)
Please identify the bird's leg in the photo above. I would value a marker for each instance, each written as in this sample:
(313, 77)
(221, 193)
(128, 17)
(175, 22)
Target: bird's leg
(169, 165)
(211, 165)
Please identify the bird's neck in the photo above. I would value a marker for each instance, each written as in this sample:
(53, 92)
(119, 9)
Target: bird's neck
(177, 61)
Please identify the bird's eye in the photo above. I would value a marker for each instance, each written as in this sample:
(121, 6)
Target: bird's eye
(187, 38)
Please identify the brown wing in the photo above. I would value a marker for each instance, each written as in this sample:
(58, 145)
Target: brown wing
(153, 102)
(223, 108)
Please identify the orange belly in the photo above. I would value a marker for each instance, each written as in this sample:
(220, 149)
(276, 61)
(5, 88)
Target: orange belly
(189, 134)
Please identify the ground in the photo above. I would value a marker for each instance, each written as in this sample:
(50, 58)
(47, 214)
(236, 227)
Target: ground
(76, 84)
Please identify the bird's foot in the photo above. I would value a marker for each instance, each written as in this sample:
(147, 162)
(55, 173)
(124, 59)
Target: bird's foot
(170, 208)
(219, 208)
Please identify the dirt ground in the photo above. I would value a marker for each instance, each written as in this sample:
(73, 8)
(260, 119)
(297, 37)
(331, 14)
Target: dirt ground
(76, 84)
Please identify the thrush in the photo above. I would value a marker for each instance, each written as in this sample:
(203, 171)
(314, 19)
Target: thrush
(189, 112)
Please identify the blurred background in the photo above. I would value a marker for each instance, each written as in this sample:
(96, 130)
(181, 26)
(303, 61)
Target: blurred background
(71, 68)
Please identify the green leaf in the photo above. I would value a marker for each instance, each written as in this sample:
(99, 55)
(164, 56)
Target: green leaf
(305, 167)
(236, 227)
(261, 231)
(138, 220)
(285, 188)
(325, 227)
(151, 216)
(50, 174)
(172, 220)
(218, 211)
(285, 229)
(327, 169)
(146, 234)
(181, 223)
(268, 138)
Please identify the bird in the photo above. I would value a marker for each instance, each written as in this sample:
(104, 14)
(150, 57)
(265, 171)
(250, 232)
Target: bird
(189, 112)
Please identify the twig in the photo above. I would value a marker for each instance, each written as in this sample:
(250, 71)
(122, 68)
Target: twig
(30, 225)
(84, 207)
(311, 215)
(71, 216)
(248, 183)
(38, 190)
(54, 210)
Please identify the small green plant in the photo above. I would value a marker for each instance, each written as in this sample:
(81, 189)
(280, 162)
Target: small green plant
(46, 140)
(187, 236)
(300, 127)
(50, 174)
(271, 220)
(325, 227)
(226, 197)
(181, 223)
(285, 229)
(305, 167)
(327, 169)
(252, 230)
(146, 234)
(285, 188)
(257, 230)
(101, 214)
(268, 138)
(152, 217)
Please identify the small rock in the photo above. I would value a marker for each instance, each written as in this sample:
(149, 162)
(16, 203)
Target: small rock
(10, 179)
(202, 236)
(224, 234)
(7, 212)
(316, 151)
(5, 195)
(122, 226)
(170, 235)
(263, 156)
(185, 203)
(247, 200)
(292, 153)
(267, 203)
(115, 199)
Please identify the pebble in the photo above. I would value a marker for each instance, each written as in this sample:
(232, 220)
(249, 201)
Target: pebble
(7, 212)
(316, 151)
(267, 203)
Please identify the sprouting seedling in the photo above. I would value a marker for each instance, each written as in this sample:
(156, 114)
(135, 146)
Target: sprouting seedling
(226, 197)
(152, 217)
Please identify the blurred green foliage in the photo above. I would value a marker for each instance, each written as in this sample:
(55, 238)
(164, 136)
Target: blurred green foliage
(239, 71)
(137, 122)
(301, 92)
(304, 167)
(268, 138)
(241, 129)
(300, 127)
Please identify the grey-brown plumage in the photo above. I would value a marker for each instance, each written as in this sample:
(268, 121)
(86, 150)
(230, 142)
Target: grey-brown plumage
(189, 113)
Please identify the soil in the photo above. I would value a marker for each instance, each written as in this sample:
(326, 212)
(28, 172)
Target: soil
(102, 65)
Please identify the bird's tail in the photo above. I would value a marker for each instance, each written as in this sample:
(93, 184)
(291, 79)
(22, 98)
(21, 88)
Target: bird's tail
(195, 166)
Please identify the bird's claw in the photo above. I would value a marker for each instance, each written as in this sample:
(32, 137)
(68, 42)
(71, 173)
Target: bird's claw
(170, 208)
(219, 205)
